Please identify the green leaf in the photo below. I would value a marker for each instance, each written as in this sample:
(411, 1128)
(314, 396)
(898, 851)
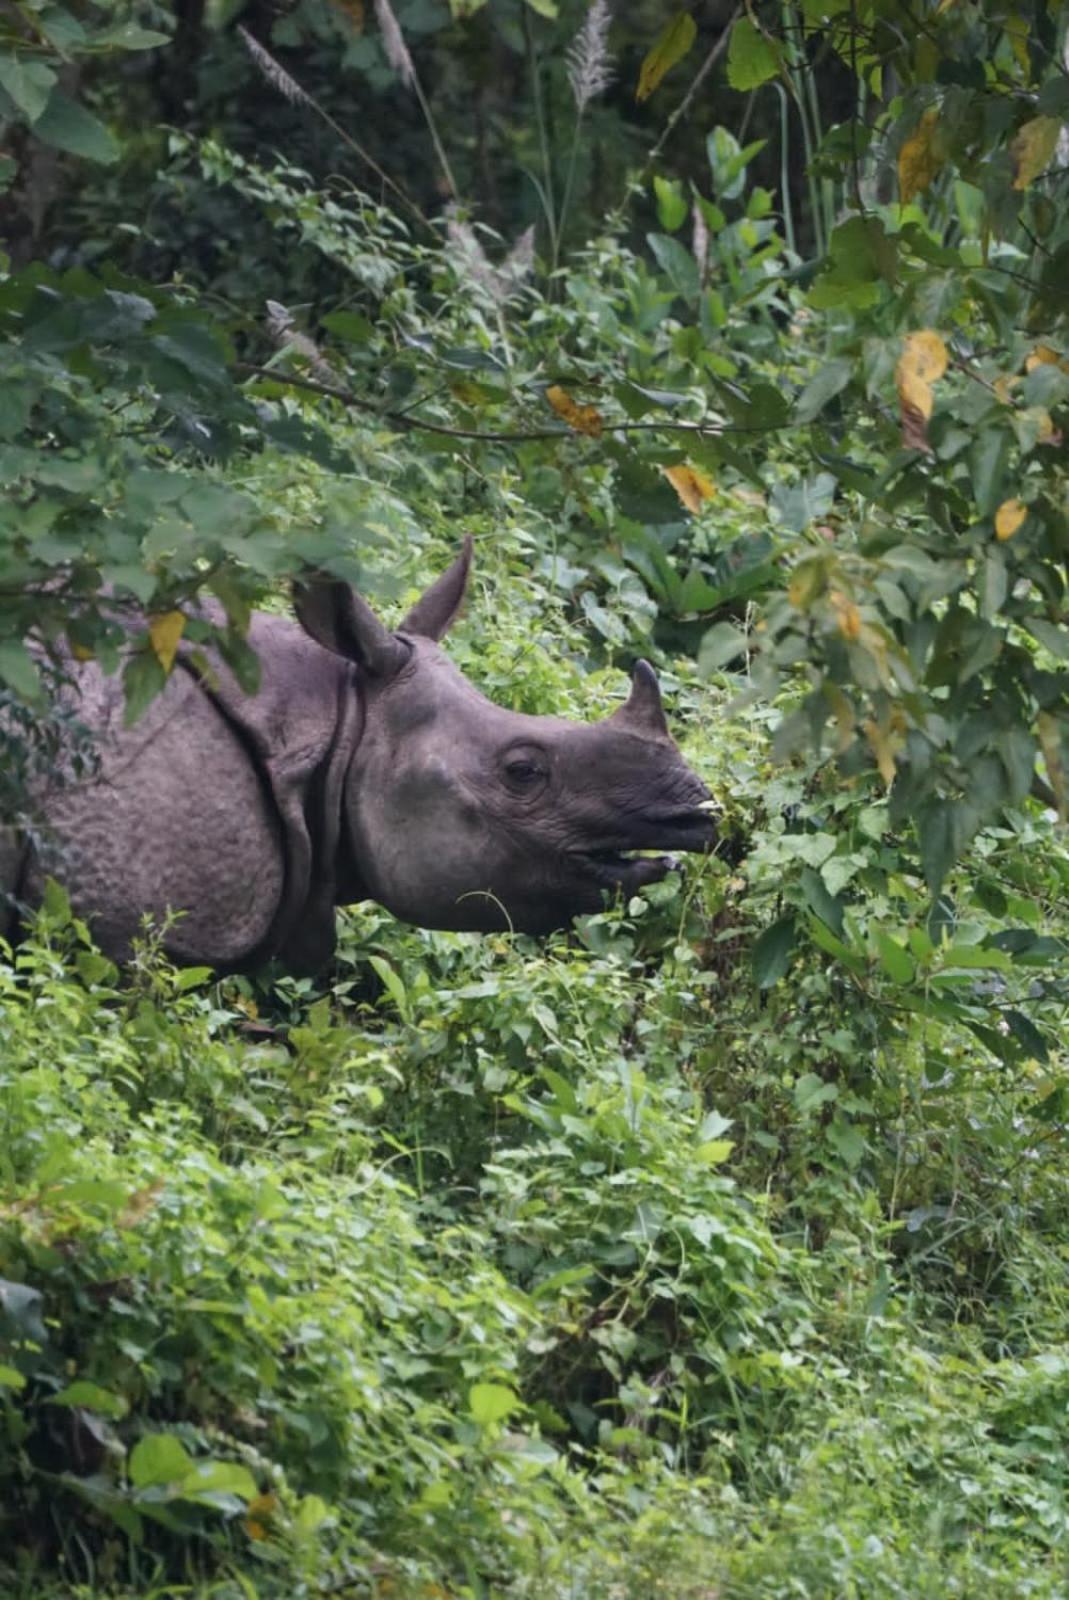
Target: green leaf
(18, 671)
(802, 503)
(1028, 1036)
(11, 1378)
(209, 1482)
(158, 1458)
(92, 1397)
(69, 126)
(720, 644)
(29, 83)
(989, 459)
(771, 953)
(894, 958)
(811, 1092)
(672, 205)
(752, 59)
(677, 263)
(831, 380)
(130, 36)
(1049, 634)
(491, 1402)
(820, 901)
(544, 8)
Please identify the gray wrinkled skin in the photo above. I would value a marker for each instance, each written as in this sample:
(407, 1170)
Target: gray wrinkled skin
(366, 766)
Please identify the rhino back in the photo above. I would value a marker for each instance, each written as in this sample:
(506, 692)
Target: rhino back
(176, 816)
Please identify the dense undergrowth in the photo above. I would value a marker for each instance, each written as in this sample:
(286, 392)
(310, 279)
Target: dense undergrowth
(492, 1267)
(717, 1247)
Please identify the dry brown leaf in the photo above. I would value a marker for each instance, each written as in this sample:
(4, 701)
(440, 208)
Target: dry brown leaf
(921, 157)
(164, 633)
(1008, 518)
(584, 419)
(691, 485)
(884, 740)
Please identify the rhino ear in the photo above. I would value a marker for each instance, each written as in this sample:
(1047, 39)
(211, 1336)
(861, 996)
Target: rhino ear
(335, 616)
(435, 611)
(642, 711)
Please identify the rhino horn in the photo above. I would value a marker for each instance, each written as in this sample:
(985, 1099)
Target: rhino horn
(435, 611)
(341, 620)
(642, 711)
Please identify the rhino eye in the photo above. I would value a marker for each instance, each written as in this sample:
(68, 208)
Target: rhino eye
(524, 773)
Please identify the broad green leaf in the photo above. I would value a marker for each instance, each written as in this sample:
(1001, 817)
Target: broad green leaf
(802, 503)
(752, 59)
(545, 8)
(11, 1378)
(92, 1397)
(130, 36)
(29, 83)
(67, 124)
(831, 380)
(771, 953)
(894, 958)
(208, 1481)
(720, 644)
(677, 263)
(491, 1402)
(669, 48)
(18, 671)
(158, 1458)
(811, 1092)
(989, 458)
(1054, 637)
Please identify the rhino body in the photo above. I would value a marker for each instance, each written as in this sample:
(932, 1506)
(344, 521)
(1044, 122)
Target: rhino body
(365, 766)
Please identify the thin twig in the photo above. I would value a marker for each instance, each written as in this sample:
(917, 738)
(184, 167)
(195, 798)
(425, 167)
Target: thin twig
(415, 425)
(681, 110)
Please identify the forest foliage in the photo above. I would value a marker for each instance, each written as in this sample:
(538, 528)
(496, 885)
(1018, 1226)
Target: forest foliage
(718, 1247)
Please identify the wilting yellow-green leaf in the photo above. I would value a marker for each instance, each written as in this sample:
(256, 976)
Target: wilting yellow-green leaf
(1050, 743)
(669, 47)
(884, 740)
(922, 362)
(921, 157)
(164, 633)
(691, 485)
(847, 615)
(1033, 148)
(259, 1514)
(584, 419)
(1008, 518)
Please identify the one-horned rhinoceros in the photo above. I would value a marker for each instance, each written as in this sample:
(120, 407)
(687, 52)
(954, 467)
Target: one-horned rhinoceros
(365, 766)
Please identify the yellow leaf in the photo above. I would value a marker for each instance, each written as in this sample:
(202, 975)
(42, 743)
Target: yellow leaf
(670, 46)
(922, 362)
(1004, 386)
(140, 1203)
(1033, 147)
(1044, 356)
(80, 652)
(584, 419)
(691, 485)
(884, 741)
(921, 157)
(164, 632)
(259, 1514)
(1008, 518)
(847, 615)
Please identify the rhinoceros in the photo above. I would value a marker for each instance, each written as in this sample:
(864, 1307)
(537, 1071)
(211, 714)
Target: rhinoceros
(366, 766)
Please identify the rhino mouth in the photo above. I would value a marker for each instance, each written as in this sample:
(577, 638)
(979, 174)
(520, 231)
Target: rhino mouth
(630, 865)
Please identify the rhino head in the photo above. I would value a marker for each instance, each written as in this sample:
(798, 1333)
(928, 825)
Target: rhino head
(464, 815)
